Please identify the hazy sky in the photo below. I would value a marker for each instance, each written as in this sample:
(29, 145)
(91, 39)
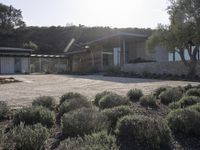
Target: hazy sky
(113, 13)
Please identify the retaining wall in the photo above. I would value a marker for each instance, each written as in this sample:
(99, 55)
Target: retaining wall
(175, 68)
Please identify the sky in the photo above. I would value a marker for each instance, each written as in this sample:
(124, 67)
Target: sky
(112, 13)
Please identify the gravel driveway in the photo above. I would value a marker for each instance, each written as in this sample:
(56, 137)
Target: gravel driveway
(32, 86)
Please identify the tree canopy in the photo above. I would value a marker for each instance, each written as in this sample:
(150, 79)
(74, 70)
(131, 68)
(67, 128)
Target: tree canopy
(182, 34)
(10, 18)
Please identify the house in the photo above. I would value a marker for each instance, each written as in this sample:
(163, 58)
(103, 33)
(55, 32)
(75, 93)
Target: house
(14, 60)
(113, 50)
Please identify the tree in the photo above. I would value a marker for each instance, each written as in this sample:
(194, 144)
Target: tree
(10, 18)
(30, 45)
(183, 33)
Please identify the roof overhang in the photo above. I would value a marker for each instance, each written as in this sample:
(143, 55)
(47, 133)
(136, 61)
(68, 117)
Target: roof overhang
(120, 35)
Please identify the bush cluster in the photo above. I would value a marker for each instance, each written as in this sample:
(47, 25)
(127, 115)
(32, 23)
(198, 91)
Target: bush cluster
(134, 94)
(83, 121)
(170, 95)
(140, 132)
(113, 114)
(71, 95)
(29, 137)
(45, 101)
(195, 107)
(185, 102)
(4, 110)
(159, 90)
(185, 121)
(148, 101)
(112, 100)
(34, 115)
(193, 92)
(96, 141)
(99, 96)
(73, 104)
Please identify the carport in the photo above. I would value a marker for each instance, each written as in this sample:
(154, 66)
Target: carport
(14, 60)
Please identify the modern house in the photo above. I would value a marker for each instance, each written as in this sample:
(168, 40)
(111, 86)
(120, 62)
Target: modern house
(14, 60)
(113, 50)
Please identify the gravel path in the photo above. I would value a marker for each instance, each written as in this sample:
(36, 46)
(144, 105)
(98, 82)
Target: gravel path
(32, 86)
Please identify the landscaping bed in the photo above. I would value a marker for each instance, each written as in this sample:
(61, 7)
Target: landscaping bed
(168, 118)
(8, 80)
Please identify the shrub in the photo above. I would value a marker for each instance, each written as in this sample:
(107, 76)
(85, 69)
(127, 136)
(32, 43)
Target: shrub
(4, 110)
(72, 104)
(30, 137)
(45, 101)
(96, 141)
(134, 94)
(170, 95)
(193, 92)
(187, 87)
(83, 121)
(140, 132)
(185, 102)
(33, 115)
(1, 138)
(112, 100)
(113, 114)
(185, 121)
(99, 96)
(71, 95)
(195, 107)
(148, 101)
(159, 90)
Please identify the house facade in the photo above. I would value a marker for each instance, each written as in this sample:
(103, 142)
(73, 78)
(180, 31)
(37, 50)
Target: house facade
(114, 50)
(14, 60)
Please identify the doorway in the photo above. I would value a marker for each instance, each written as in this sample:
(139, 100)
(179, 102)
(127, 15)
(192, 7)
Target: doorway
(17, 65)
(116, 56)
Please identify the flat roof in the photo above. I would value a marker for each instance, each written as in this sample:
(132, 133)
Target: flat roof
(13, 49)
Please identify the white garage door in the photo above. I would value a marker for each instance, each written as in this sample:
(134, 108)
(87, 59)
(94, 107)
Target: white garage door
(7, 65)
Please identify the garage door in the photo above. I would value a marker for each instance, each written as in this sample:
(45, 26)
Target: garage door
(7, 65)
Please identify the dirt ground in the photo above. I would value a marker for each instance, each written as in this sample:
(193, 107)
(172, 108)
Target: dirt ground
(32, 86)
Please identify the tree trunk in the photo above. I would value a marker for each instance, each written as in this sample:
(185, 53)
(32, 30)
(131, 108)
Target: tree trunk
(192, 69)
(192, 63)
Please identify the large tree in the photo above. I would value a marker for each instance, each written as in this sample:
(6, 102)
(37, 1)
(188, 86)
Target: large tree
(183, 33)
(10, 18)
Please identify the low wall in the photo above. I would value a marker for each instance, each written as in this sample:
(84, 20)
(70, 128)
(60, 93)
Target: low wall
(175, 68)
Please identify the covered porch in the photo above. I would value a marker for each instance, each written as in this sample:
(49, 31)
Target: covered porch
(119, 49)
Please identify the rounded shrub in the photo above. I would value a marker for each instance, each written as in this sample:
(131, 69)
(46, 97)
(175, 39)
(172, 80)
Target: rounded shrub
(187, 87)
(185, 102)
(96, 141)
(72, 104)
(34, 115)
(159, 90)
(195, 107)
(140, 132)
(148, 101)
(30, 137)
(99, 96)
(134, 94)
(113, 114)
(45, 101)
(83, 121)
(185, 121)
(112, 100)
(170, 95)
(193, 92)
(71, 95)
(4, 110)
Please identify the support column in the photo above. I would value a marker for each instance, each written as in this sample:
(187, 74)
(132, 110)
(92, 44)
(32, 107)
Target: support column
(124, 51)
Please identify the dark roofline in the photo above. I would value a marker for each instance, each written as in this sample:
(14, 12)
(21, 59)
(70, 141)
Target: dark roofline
(12, 49)
(117, 34)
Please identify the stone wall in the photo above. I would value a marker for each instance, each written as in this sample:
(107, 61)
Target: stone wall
(175, 68)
